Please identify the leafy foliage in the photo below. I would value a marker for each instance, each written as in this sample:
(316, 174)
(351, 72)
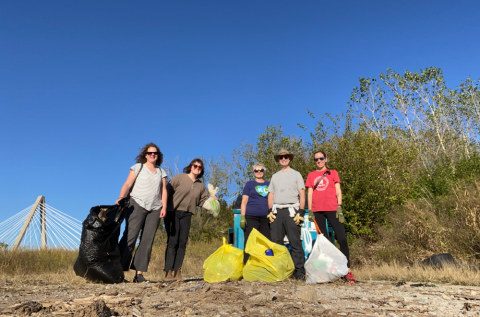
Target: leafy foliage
(402, 136)
(376, 176)
(267, 146)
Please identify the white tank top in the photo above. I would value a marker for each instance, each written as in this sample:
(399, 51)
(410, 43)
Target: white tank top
(147, 188)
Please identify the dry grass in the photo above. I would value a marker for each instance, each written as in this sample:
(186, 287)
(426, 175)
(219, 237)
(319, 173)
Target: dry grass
(197, 253)
(36, 262)
(463, 275)
(56, 266)
(421, 228)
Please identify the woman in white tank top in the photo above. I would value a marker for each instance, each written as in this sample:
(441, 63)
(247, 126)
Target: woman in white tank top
(148, 203)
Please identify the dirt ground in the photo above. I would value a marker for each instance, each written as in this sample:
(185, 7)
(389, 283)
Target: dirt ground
(238, 298)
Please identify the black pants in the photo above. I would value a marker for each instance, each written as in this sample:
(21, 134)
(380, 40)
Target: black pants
(284, 225)
(338, 228)
(177, 225)
(260, 223)
(138, 218)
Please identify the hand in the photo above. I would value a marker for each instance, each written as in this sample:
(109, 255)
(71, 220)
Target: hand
(311, 215)
(163, 212)
(301, 212)
(271, 217)
(212, 190)
(214, 197)
(116, 202)
(339, 214)
(299, 217)
(243, 222)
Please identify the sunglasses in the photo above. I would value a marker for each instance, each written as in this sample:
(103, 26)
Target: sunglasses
(198, 167)
(152, 153)
(286, 157)
(320, 158)
(259, 171)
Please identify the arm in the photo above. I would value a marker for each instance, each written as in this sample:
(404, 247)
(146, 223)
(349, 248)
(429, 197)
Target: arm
(203, 197)
(243, 207)
(270, 200)
(164, 197)
(310, 196)
(127, 185)
(301, 192)
(338, 190)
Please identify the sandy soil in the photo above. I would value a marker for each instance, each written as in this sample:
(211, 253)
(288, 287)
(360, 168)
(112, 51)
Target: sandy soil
(239, 298)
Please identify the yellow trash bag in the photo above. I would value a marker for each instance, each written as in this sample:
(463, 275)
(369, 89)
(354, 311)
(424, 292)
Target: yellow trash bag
(225, 263)
(261, 267)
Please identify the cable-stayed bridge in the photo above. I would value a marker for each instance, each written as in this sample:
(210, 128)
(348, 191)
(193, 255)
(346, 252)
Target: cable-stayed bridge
(40, 226)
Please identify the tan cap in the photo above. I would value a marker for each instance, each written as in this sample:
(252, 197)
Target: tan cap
(283, 152)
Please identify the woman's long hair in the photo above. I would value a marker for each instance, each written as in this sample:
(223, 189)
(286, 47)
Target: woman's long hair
(143, 152)
(188, 168)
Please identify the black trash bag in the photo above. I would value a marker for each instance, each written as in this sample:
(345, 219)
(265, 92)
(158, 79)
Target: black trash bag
(99, 255)
(439, 260)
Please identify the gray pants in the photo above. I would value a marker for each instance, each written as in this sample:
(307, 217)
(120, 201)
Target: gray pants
(284, 225)
(138, 218)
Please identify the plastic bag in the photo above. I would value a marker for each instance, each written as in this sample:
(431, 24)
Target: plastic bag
(326, 263)
(99, 255)
(211, 204)
(261, 267)
(225, 263)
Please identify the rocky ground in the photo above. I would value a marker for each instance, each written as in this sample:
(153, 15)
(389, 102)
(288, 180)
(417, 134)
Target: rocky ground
(233, 298)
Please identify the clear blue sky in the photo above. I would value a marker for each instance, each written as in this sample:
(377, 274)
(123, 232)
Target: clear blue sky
(85, 84)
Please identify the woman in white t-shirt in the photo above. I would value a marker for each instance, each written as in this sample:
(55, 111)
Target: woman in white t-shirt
(148, 203)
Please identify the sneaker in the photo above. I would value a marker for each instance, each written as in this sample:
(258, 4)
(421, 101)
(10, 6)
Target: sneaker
(349, 278)
(139, 279)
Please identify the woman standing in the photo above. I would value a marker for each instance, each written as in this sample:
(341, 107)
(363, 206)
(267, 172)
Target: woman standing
(325, 200)
(148, 204)
(186, 192)
(254, 208)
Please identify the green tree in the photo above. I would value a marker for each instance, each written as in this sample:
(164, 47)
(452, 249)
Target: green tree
(267, 146)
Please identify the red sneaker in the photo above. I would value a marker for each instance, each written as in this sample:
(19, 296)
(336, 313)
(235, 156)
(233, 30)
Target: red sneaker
(349, 278)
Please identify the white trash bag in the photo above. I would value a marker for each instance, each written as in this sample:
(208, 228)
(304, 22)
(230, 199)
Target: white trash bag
(326, 263)
(211, 204)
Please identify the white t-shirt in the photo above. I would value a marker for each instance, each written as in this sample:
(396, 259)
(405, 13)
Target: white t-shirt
(148, 186)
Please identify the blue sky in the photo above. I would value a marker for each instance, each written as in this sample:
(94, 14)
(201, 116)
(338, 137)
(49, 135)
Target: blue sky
(85, 84)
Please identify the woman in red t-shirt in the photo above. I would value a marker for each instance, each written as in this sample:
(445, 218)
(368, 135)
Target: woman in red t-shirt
(325, 200)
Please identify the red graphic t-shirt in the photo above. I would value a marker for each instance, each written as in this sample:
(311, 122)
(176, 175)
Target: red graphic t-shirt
(324, 196)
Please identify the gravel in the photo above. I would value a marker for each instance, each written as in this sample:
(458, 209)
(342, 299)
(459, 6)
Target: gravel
(240, 298)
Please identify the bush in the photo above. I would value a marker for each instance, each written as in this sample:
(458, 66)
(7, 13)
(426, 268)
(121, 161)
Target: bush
(376, 175)
(442, 177)
(423, 227)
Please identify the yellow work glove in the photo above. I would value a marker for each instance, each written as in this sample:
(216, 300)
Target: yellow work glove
(299, 217)
(271, 217)
(339, 214)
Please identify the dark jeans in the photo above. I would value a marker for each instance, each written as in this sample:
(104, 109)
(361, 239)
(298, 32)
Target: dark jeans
(138, 218)
(284, 225)
(177, 225)
(338, 228)
(260, 223)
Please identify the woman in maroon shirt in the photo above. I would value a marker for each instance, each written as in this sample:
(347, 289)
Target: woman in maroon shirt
(325, 200)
